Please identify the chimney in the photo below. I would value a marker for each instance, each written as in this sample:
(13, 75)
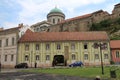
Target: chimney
(20, 25)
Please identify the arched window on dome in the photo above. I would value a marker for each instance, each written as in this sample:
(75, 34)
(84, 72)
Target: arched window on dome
(53, 20)
(58, 20)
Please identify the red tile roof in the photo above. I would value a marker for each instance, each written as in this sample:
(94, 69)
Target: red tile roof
(9, 31)
(30, 36)
(76, 18)
(14, 28)
(115, 44)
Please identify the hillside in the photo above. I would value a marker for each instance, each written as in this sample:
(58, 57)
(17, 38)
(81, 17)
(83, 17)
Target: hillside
(111, 26)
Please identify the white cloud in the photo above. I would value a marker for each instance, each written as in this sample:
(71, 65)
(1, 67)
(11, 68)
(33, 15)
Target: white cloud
(9, 24)
(109, 7)
(34, 10)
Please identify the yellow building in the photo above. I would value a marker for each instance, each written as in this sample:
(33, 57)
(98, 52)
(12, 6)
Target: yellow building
(64, 47)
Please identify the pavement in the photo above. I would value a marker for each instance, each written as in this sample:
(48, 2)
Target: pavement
(36, 76)
(8, 70)
(14, 74)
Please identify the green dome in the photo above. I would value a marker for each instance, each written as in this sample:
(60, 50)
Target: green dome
(56, 10)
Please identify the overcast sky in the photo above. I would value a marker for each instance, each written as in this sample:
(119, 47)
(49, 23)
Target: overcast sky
(13, 12)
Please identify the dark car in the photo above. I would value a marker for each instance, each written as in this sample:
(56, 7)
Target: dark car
(21, 65)
(75, 64)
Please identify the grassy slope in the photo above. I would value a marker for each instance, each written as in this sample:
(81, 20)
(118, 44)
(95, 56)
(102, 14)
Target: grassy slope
(90, 72)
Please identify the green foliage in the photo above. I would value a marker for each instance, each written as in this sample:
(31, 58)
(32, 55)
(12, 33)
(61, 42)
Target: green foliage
(112, 62)
(115, 38)
(101, 26)
(106, 25)
(110, 26)
(117, 21)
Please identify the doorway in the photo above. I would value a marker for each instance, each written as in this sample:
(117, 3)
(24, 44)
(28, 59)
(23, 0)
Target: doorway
(58, 60)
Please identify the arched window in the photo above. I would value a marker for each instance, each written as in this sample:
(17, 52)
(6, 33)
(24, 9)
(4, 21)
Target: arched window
(117, 54)
(37, 57)
(58, 20)
(85, 46)
(37, 46)
(54, 21)
(13, 41)
(58, 47)
(73, 57)
(26, 58)
(5, 57)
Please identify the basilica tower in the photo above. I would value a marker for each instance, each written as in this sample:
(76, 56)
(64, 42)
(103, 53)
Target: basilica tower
(55, 16)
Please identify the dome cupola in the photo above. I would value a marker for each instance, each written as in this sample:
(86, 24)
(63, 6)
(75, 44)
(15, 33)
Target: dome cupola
(56, 10)
(55, 15)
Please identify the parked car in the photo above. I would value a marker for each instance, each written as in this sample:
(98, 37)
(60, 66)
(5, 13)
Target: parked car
(75, 64)
(21, 65)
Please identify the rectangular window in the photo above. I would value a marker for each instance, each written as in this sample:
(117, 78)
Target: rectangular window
(13, 41)
(96, 56)
(37, 57)
(5, 57)
(0, 43)
(26, 47)
(104, 46)
(12, 57)
(86, 56)
(37, 46)
(105, 56)
(26, 58)
(73, 46)
(85, 46)
(96, 45)
(73, 57)
(58, 20)
(37, 29)
(117, 54)
(6, 42)
(47, 46)
(58, 47)
(47, 57)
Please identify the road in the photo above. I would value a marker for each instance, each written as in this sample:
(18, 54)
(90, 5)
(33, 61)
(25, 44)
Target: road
(36, 76)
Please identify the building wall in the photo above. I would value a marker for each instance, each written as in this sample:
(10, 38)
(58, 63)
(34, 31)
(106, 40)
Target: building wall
(10, 51)
(114, 55)
(72, 26)
(81, 24)
(79, 52)
(99, 16)
(41, 26)
(116, 11)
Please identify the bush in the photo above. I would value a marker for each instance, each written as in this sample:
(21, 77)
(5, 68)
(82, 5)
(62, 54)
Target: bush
(112, 62)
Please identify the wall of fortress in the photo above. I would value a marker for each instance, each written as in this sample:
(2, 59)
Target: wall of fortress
(83, 23)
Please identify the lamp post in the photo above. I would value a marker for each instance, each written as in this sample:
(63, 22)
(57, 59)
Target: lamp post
(31, 59)
(0, 66)
(101, 47)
